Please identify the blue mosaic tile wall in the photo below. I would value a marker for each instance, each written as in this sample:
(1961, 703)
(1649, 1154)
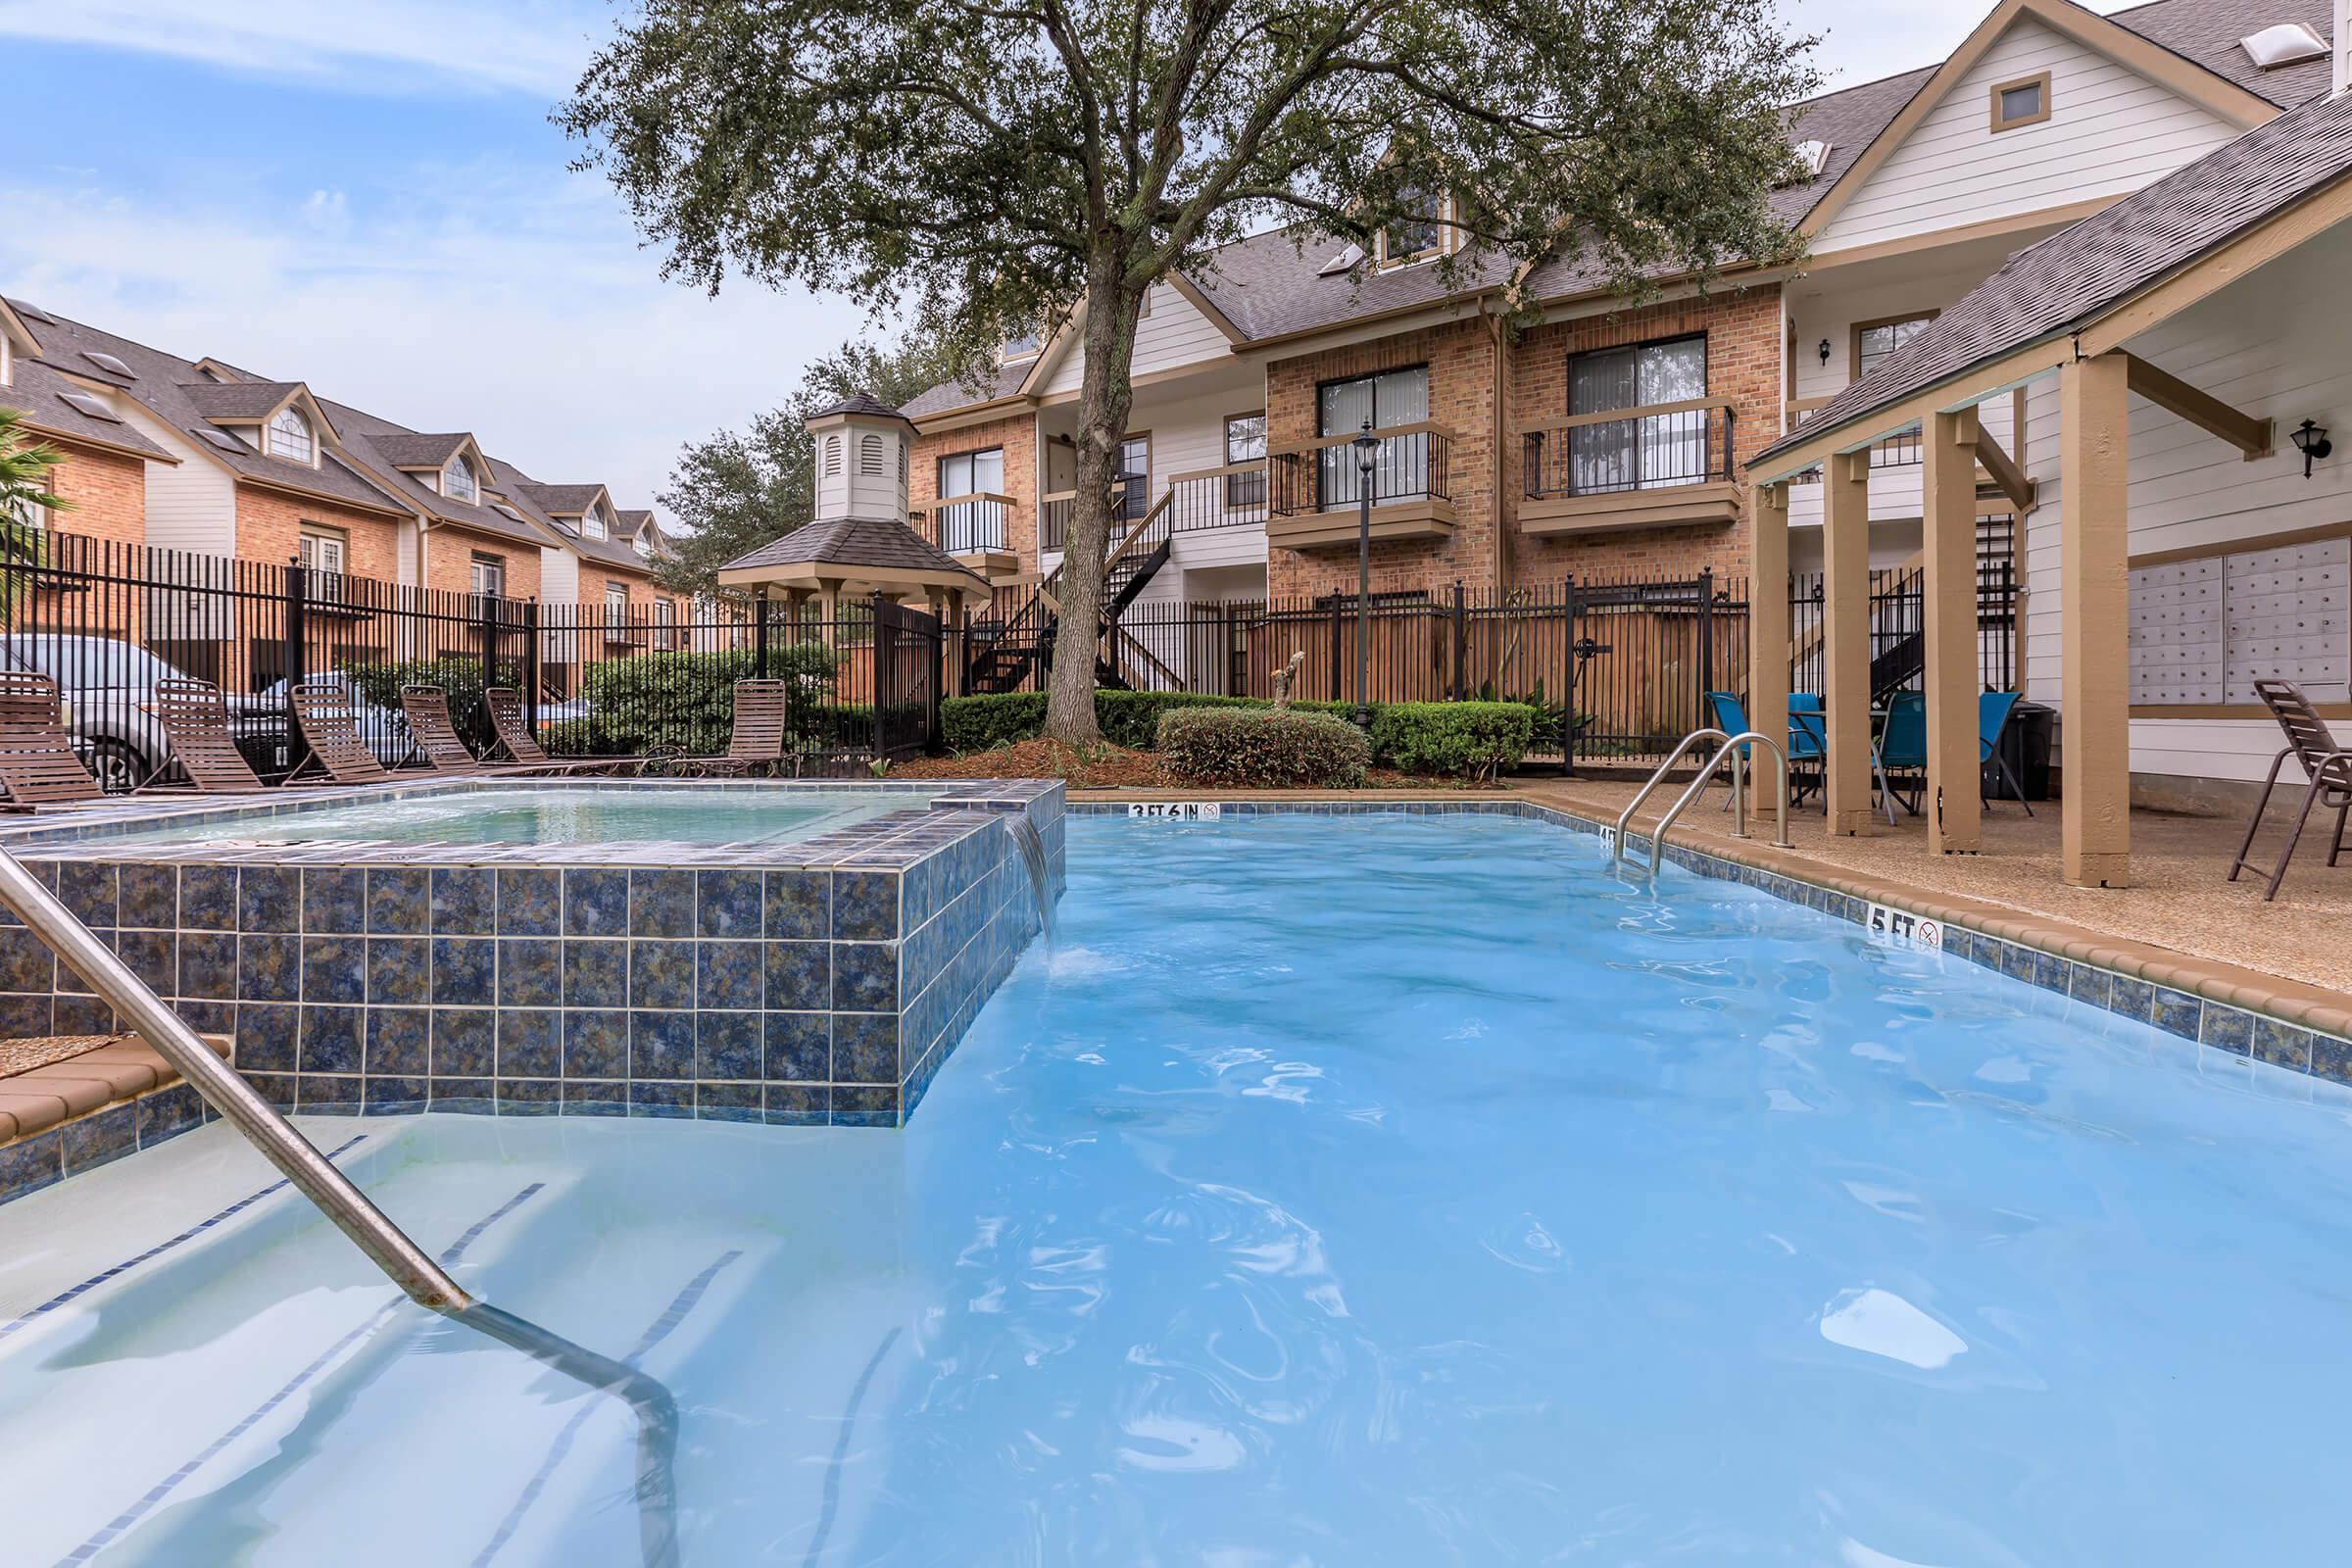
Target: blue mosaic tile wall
(818, 982)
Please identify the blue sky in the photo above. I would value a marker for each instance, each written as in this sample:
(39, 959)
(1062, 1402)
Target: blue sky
(368, 197)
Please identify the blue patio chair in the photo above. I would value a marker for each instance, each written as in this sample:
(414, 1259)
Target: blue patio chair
(1992, 716)
(1725, 711)
(1904, 749)
(1808, 745)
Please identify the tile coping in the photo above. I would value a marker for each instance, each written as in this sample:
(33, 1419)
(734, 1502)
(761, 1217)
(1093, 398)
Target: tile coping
(2226, 989)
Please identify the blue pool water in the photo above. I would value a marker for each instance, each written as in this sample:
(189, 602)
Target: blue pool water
(1401, 1190)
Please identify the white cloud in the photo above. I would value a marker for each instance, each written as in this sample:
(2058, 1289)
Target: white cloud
(392, 46)
(527, 314)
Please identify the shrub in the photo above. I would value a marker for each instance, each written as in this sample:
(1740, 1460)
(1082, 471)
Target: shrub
(992, 719)
(688, 701)
(1262, 748)
(458, 674)
(1462, 739)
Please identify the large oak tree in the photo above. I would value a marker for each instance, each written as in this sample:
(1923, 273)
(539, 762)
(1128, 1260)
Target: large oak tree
(995, 168)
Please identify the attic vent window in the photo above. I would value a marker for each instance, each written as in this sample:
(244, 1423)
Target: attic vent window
(2022, 102)
(832, 456)
(93, 407)
(2285, 44)
(109, 364)
(869, 456)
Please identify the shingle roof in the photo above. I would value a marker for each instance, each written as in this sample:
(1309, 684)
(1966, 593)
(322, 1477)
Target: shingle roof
(373, 443)
(169, 388)
(955, 395)
(555, 498)
(2079, 273)
(873, 544)
(38, 392)
(410, 451)
(860, 403)
(1268, 288)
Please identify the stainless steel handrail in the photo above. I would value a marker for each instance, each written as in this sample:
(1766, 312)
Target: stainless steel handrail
(1657, 834)
(1617, 841)
(311, 1173)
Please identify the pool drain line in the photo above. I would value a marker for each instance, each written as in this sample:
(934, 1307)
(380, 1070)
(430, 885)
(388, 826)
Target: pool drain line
(408, 1265)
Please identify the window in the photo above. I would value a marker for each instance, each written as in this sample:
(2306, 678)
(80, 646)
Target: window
(1416, 235)
(1245, 442)
(1389, 398)
(289, 436)
(27, 516)
(832, 454)
(666, 623)
(592, 521)
(324, 550)
(488, 575)
(972, 473)
(458, 482)
(1650, 450)
(8, 362)
(616, 605)
(1874, 341)
(2022, 102)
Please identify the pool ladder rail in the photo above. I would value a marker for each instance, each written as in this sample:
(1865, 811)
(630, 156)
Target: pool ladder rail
(1730, 752)
(419, 1277)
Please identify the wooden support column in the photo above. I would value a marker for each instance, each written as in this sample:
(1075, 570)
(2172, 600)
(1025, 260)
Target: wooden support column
(2094, 611)
(1845, 636)
(1767, 615)
(1949, 555)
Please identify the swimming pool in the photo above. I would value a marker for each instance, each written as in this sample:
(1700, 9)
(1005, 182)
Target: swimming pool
(1397, 1189)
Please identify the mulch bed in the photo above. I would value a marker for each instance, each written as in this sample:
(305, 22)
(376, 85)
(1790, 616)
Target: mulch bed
(1106, 766)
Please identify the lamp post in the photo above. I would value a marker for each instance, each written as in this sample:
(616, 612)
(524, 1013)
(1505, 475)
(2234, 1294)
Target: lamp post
(1367, 451)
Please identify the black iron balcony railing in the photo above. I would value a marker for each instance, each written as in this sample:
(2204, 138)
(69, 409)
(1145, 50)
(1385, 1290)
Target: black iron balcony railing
(1647, 448)
(1326, 475)
(1227, 497)
(968, 525)
(1054, 518)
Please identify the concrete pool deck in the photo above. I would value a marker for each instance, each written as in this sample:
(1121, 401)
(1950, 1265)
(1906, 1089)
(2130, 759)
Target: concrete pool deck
(2180, 925)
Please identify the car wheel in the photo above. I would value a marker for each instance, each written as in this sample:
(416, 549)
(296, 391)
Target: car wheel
(118, 766)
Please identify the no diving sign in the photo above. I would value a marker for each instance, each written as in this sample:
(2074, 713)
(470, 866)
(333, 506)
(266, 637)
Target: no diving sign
(1911, 930)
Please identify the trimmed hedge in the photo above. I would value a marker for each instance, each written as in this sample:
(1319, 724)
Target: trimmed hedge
(1262, 748)
(688, 701)
(1464, 740)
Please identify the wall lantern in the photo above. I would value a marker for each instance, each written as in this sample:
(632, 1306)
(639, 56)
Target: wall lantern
(1825, 353)
(2312, 441)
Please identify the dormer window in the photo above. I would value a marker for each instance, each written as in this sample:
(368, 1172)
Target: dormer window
(592, 524)
(458, 481)
(643, 542)
(1421, 233)
(289, 436)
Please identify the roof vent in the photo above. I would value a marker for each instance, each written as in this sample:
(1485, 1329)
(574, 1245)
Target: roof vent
(95, 407)
(224, 441)
(2286, 44)
(109, 364)
(31, 312)
(1346, 261)
(1813, 157)
(501, 507)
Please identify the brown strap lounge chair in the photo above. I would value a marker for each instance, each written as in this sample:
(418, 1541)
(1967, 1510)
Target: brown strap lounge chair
(195, 721)
(37, 762)
(755, 740)
(2326, 769)
(322, 712)
(514, 729)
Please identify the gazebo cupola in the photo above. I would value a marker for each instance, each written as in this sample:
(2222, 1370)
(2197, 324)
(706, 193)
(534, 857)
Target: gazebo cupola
(861, 446)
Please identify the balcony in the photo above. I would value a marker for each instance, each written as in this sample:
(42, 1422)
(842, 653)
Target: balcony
(971, 528)
(1316, 496)
(1232, 495)
(1661, 466)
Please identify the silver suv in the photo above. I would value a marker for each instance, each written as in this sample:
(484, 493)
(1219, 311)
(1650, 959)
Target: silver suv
(106, 683)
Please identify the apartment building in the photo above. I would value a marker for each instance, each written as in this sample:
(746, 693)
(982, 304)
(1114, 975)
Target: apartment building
(203, 456)
(1606, 439)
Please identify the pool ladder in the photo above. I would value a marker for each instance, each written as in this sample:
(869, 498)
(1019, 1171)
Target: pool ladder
(1728, 751)
(419, 1277)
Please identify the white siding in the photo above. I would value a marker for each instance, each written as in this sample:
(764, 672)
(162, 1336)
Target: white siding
(1174, 334)
(2190, 489)
(2110, 130)
(190, 507)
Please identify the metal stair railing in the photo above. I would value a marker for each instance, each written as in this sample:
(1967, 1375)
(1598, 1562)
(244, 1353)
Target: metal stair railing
(405, 1264)
(1728, 751)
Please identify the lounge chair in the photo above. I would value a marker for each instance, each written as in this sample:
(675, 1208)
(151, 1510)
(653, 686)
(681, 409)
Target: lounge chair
(2327, 770)
(755, 740)
(514, 730)
(322, 712)
(37, 762)
(195, 721)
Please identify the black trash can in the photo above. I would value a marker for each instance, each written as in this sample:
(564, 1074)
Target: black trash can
(2025, 747)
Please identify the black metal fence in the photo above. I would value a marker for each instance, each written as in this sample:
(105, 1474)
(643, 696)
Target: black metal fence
(108, 620)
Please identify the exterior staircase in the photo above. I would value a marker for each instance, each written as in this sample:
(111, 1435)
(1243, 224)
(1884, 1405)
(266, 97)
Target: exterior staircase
(1007, 655)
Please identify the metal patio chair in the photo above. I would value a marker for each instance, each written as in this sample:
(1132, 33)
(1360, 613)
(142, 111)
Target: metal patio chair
(1992, 718)
(756, 738)
(2326, 771)
(195, 719)
(329, 736)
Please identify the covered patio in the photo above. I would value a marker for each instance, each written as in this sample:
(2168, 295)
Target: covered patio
(2179, 545)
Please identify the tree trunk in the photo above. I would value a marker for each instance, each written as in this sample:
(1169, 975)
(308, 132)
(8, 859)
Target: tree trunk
(1105, 399)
